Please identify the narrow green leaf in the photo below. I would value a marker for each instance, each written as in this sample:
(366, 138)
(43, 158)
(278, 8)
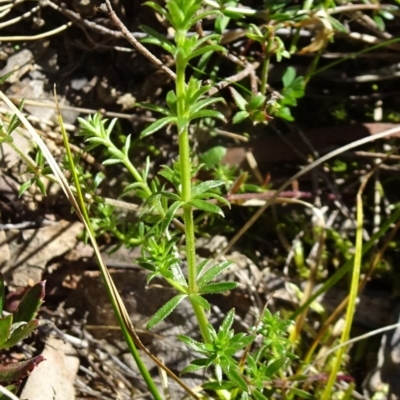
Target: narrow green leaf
(146, 265)
(156, 7)
(5, 77)
(194, 96)
(155, 108)
(110, 126)
(15, 121)
(111, 161)
(165, 310)
(239, 100)
(199, 105)
(19, 334)
(192, 344)
(205, 14)
(5, 328)
(200, 266)
(213, 156)
(170, 214)
(157, 39)
(96, 139)
(224, 385)
(30, 303)
(133, 187)
(171, 101)
(176, 16)
(302, 394)
(256, 102)
(232, 372)
(205, 49)
(207, 38)
(275, 366)
(206, 206)
(213, 288)
(201, 301)
(157, 125)
(178, 276)
(288, 76)
(204, 186)
(24, 187)
(41, 186)
(207, 114)
(337, 25)
(258, 395)
(227, 322)
(216, 196)
(90, 147)
(213, 272)
(169, 195)
(239, 117)
(192, 368)
(127, 145)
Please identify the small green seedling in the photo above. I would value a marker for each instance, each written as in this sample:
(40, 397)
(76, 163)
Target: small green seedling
(14, 327)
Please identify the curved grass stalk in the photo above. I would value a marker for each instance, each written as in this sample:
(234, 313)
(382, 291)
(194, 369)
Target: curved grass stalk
(353, 292)
(339, 309)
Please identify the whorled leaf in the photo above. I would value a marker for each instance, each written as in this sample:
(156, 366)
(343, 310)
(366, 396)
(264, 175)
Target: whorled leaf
(157, 39)
(206, 206)
(157, 125)
(240, 117)
(194, 345)
(219, 287)
(205, 186)
(165, 310)
(227, 322)
(232, 372)
(213, 272)
(201, 301)
(239, 100)
(170, 214)
(207, 114)
(203, 103)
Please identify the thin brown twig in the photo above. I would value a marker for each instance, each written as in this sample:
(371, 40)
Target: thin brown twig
(134, 42)
(19, 18)
(234, 78)
(36, 37)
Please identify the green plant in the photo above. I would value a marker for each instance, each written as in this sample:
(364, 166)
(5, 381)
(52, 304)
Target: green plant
(15, 327)
(253, 365)
(172, 201)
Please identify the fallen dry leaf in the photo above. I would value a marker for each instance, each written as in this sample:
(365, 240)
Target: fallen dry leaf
(53, 379)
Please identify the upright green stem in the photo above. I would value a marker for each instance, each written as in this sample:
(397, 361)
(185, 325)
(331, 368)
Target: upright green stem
(293, 46)
(327, 394)
(186, 183)
(267, 57)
